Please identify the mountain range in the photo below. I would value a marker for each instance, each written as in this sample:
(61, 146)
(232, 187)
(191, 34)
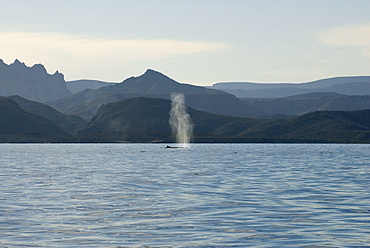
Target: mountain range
(342, 85)
(342, 93)
(155, 85)
(307, 103)
(38, 107)
(146, 120)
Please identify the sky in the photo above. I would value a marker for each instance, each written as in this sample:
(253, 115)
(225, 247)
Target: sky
(199, 42)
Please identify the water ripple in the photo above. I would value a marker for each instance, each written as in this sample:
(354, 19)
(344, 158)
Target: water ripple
(235, 195)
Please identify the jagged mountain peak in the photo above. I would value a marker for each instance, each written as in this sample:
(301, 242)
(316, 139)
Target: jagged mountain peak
(16, 61)
(40, 68)
(33, 83)
(19, 65)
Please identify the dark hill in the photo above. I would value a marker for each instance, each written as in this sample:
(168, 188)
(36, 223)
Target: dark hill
(69, 123)
(32, 83)
(142, 114)
(14, 120)
(310, 102)
(154, 85)
(150, 114)
(321, 126)
(147, 118)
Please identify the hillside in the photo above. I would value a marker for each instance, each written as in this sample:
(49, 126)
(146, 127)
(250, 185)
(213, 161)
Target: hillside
(146, 119)
(14, 120)
(69, 123)
(155, 85)
(321, 126)
(32, 83)
(310, 102)
(341, 85)
(83, 84)
(153, 82)
(144, 114)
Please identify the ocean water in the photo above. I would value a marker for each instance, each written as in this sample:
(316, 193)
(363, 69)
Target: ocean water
(207, 195)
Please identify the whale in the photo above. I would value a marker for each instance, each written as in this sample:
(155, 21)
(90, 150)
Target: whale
(172, 147)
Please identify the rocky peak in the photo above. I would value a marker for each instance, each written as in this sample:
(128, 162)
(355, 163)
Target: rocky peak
(39, 68)
(18, 63)
(33, 83)
(151, 71)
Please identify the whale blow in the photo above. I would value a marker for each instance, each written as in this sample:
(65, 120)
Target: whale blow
(180, 120)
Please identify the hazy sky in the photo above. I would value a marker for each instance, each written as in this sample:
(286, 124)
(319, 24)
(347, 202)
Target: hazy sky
(192, 41)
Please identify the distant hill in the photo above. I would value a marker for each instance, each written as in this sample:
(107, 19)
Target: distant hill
(310, 102)
(14, 120)
(146, 120)
(32, 83)
(144, 114)
(154, 82)
(320, 126)
(341, 85)
(83, 84)
(69, 123)
(155, 85)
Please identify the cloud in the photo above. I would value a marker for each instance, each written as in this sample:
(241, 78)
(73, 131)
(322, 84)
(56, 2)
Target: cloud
(351, 36)
(70, 53)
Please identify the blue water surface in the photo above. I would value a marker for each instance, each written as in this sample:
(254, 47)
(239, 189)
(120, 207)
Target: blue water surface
(207, 195)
